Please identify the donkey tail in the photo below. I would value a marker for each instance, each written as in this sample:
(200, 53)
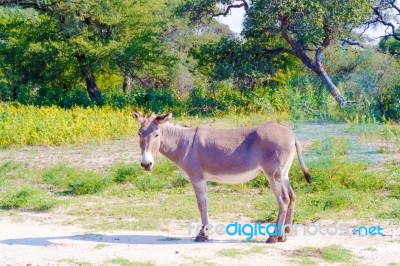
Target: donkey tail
(302, 164)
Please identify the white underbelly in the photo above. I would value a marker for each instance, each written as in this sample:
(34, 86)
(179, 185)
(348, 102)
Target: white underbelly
(233, 178)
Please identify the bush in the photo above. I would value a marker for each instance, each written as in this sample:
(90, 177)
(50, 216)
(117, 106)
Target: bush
(126, 172)
(75, 181)
(164, 176)
(28, 199)
(200, 100)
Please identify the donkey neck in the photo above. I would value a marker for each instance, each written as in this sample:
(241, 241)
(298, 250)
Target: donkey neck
(176, 141)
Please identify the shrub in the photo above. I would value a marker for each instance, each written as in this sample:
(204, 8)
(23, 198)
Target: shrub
(164, 176)
(126, 172)
(28, 199)
(75, 181)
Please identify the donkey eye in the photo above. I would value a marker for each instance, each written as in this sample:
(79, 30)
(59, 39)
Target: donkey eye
(156, 136)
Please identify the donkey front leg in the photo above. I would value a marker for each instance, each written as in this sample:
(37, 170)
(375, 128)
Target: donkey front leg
(199, 187)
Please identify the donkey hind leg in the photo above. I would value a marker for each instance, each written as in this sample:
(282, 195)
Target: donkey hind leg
(282, 197)
(290, 210)
(292, 197)
(201, 197)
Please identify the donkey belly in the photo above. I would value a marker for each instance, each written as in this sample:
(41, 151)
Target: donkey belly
(232, 178)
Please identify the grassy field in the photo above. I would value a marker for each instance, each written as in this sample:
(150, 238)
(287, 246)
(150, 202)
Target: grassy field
(354, 167)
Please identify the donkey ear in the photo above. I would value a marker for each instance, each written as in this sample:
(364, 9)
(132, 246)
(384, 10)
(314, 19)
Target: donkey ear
(138, 115)
(163, 118)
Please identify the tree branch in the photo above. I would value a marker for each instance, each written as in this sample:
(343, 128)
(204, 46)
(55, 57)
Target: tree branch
(298, 51)
(351, 42)
(228, 9)
(394, 6)
(379, 18)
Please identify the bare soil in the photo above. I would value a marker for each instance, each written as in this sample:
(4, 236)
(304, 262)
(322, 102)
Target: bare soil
(93, 156)
(39, 242)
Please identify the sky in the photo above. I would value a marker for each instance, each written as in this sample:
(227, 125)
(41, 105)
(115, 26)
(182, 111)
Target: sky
(234, 20)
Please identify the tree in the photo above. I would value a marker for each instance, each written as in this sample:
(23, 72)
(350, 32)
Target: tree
(100, 34)
(306, 27)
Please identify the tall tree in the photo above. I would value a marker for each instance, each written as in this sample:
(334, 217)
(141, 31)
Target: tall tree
(307, 27)
(101, 34)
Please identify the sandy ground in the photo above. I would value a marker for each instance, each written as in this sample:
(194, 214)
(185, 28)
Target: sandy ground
(33, 242)
(91, 156)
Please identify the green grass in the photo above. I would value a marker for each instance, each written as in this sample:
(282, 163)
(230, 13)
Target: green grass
(125, 262)
(126, 197)
(101, 246)
(170, 239)
(331, 254)
(28, 199)
(74, 262)
(75, 181)
(306, 261)
(230, 252)
(335, 253)
(235, 252)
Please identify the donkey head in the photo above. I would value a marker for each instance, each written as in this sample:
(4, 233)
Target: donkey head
(150, 135)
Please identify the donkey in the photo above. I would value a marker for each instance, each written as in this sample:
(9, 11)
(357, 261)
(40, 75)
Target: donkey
(227, 156)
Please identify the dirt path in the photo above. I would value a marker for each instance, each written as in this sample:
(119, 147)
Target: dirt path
(35, 243)
(87, 156)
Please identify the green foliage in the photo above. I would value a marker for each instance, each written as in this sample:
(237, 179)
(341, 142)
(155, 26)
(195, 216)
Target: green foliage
(150, 100)
(226, 98)
(74, 181)
(47, 54)
(367, 77)
(69, 41)
(124, 172)
(164, 177)
(390, 44)
(275, 27)
(248, 64)
(310, 22)
(27, 198)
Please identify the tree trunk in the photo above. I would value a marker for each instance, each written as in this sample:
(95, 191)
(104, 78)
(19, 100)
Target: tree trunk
(333, 90)
(316, 67)
(127, 85)
(92, 89)
(91, 86)
(14, 92)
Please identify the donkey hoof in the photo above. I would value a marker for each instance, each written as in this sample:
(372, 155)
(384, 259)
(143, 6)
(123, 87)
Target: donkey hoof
(201, 238)
(272, 240)
(281, 239)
